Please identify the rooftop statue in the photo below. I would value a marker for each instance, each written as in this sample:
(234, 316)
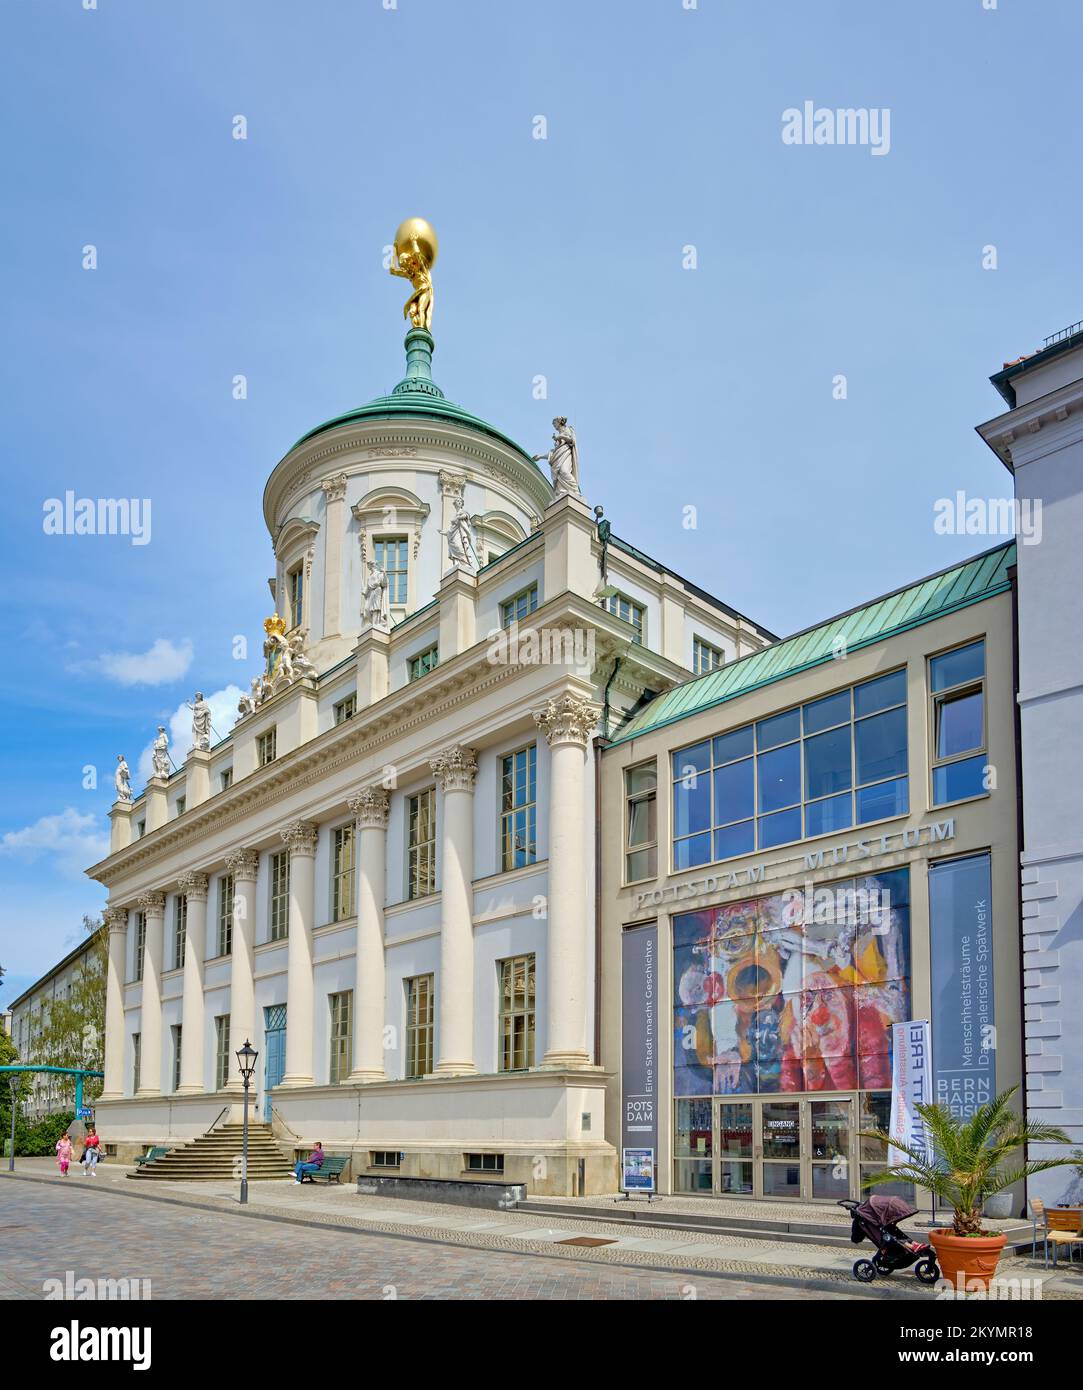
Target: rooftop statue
(416, 248)
(462, 546)
(201, 723)
(160, 753)
(122, 779)
(374, 606)
(563, 459)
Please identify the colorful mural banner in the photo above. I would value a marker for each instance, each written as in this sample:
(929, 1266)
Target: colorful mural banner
(785, 994)
(911, 1086)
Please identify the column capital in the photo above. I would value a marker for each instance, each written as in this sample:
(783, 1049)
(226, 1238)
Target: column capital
(567, 718)
(116, 919)
(153, 904)
(370, 808)
(456, 768)
(193, 885)
(334, 489)
(300, 838)
(243, 864)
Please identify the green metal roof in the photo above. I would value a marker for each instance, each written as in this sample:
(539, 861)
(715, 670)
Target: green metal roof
(417, 394)
(980, 578)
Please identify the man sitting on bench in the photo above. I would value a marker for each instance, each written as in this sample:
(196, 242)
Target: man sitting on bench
(314, 1164)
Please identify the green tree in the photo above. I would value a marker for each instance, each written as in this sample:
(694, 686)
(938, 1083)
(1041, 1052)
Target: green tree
(9, 1056)
(72, 1030)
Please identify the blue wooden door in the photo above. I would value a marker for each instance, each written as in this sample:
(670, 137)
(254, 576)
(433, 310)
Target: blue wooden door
(274, 1044)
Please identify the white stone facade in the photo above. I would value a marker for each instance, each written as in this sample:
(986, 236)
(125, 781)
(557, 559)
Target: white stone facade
(331, 501)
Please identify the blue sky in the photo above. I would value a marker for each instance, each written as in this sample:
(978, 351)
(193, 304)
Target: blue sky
(560, 257)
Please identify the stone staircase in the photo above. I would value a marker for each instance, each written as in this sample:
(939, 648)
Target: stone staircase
(216, 1156)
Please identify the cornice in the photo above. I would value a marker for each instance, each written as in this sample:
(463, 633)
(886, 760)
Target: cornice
(1002, 432)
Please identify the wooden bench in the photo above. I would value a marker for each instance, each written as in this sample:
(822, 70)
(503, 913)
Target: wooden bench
(331, 1171)
(159, 1151)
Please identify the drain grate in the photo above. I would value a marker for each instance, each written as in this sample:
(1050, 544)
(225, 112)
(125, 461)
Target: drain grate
(585, 1241)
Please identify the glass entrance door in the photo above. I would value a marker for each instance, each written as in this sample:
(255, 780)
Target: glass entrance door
(800, 1148)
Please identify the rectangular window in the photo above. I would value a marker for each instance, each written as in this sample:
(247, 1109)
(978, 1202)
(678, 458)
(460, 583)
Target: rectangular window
(345, 709)
(140, 942)
(342, 873)
(279, 915)
(266, 747)
(706, 657)
(641, 822)
(484, 1163)
(226, 778)
(519, 606)
(621, 606)
(833, 763)
(957, 720)
(225, 914)
(421, 831)
(180, 928)
(516, 1013)
(182, 804)
(221, 1051)
(390, 554)
(385, 1158)
(424, 662)
(296, 588)
(136, 1040)
(176, 1055)
(419, 1025)
(518, 808)
(341, 1036)
(140, 829)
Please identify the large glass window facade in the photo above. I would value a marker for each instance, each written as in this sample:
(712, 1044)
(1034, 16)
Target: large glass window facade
(817, 768)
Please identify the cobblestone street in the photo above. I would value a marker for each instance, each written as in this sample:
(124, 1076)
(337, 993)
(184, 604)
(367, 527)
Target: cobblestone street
(47, 1231)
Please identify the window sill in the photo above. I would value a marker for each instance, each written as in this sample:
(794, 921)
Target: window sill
(961, 801)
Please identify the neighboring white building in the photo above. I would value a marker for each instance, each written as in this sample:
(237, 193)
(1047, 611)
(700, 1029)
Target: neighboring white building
(27, 1016)
(1040, 439)
(385, 876)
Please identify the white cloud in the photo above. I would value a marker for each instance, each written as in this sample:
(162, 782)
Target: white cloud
(71, 840)
(163, 662)
(223, 705)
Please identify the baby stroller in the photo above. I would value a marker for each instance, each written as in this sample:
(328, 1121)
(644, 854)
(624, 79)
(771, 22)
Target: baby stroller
(877, 1219)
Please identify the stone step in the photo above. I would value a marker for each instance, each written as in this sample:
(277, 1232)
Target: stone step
(215, 1156)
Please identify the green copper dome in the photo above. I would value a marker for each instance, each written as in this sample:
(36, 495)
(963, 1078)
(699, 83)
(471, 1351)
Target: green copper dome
(417, 394)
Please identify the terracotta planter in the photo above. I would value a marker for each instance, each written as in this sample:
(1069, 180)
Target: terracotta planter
(967, 1262)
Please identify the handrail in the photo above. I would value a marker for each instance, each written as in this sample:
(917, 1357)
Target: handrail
(224, 1111)
(281, 1120)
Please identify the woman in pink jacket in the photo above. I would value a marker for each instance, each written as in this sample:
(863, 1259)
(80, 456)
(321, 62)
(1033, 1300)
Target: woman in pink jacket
(63, 1154)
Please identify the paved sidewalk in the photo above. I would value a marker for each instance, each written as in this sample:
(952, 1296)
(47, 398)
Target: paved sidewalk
(524, 1232)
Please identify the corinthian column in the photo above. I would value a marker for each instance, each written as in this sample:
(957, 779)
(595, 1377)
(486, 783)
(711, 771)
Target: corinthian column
(567, 723)
(370, 812)
(456, 770)
(150, 1013)
(116, 919)
(194, 888)
(243, 864)
(300, 840)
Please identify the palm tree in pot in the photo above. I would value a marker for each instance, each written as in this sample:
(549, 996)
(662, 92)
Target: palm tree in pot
(967, 1162)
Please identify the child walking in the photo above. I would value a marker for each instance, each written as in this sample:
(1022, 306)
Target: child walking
(63, 1154)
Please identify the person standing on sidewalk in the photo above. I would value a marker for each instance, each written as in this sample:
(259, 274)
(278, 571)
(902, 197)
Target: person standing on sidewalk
(63, 1153)
(91, 1152)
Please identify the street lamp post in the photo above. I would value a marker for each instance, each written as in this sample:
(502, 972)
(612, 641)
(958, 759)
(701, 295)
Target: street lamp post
(246, 1062)
(11, 1159)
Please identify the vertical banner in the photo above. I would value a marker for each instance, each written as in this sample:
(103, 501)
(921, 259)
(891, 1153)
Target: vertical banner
(961, 961)
(639, 1058)
(911, 1086)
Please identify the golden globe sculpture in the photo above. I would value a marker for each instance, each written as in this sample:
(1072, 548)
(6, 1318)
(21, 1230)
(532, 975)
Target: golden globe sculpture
(416, 249)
